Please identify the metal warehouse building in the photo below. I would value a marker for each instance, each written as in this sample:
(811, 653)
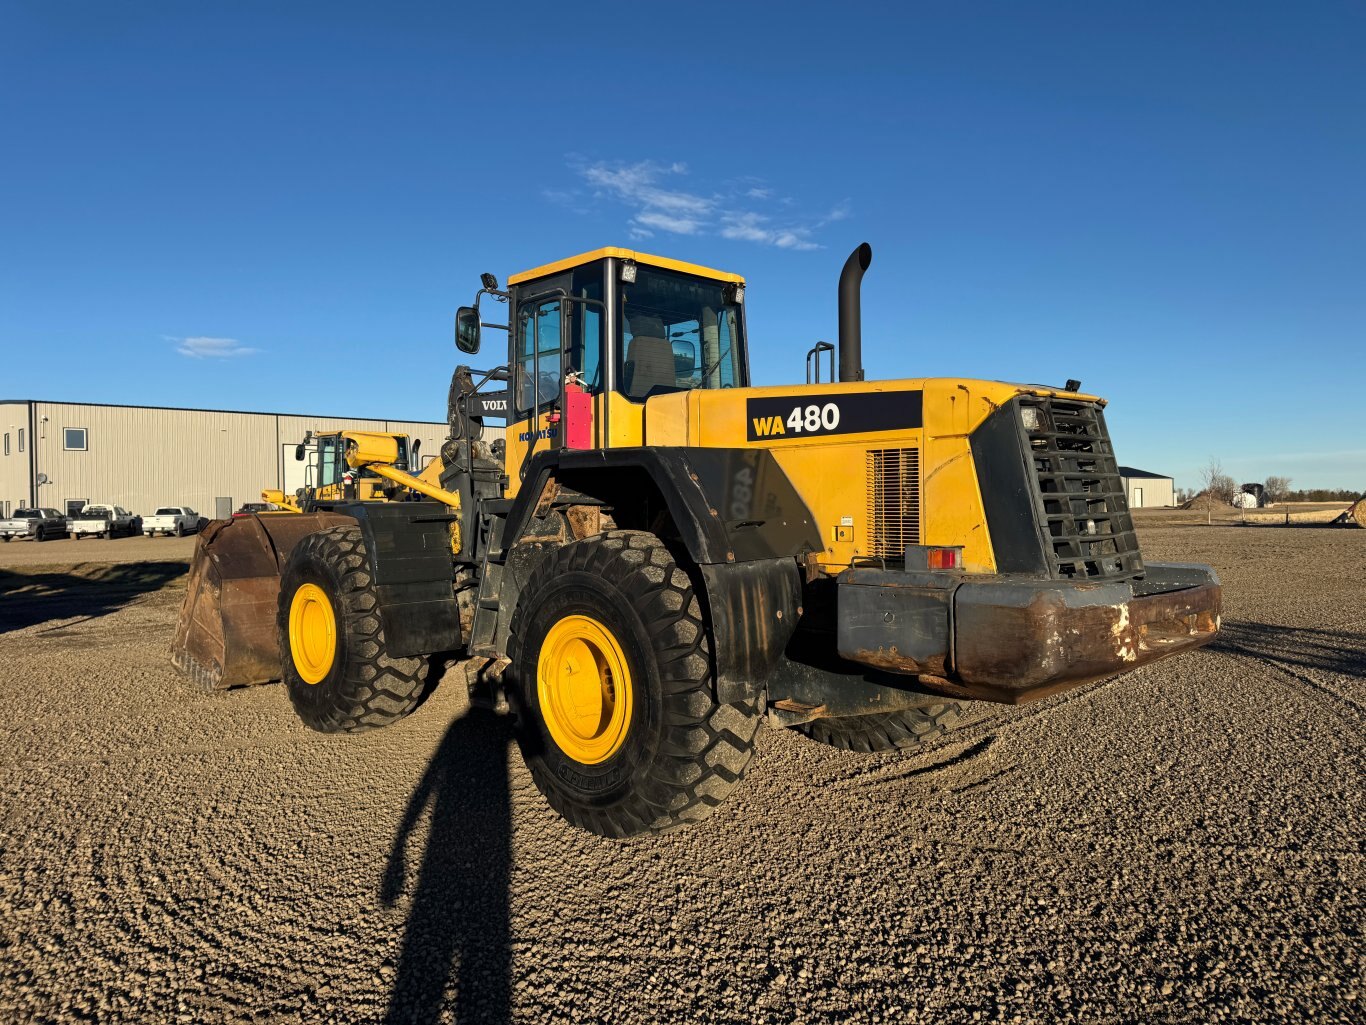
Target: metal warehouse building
(64, 454)
(1147, 490)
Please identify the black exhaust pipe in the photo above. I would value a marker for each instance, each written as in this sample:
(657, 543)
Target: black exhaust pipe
(851, 313)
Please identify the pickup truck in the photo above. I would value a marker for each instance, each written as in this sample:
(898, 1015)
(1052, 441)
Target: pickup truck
(104, 521)
(39, 524)
(173, 519)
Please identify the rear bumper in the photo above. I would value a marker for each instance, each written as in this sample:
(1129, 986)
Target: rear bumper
(1013, 639)
(17, 532)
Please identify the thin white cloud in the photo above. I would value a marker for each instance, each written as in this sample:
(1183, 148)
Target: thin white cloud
(212, 348)
(753, 227)
(745, 209)
(666, 222)
(638, 184)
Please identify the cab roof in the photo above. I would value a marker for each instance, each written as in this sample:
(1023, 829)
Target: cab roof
(624, 254)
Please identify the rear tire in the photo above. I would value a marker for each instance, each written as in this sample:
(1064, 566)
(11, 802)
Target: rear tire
(362, 687)
(679, 752)
(905, 731)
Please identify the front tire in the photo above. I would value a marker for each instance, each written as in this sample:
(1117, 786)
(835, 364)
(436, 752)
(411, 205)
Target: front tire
(906, 731)
(339, 677)
(611, 677)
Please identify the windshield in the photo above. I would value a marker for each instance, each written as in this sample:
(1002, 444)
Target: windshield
(679, 332)
(20, 514)
(168, 512)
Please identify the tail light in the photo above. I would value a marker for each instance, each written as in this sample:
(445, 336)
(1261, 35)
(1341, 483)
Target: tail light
(944, 558)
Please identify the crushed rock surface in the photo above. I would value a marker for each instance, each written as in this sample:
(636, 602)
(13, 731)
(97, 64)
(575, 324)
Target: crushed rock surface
(1183, 844)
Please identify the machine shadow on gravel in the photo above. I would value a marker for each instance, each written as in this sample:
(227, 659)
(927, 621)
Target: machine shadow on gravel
(29, 599)
(458, 925)
(1331, 651)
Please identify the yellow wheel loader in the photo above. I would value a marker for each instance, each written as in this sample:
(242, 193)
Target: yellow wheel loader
(667, 554)
(330, 479)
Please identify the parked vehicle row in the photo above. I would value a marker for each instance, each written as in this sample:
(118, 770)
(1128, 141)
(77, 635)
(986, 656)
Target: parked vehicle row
(100, 520)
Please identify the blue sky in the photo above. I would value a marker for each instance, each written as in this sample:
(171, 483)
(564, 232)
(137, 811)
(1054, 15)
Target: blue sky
(1163, 200)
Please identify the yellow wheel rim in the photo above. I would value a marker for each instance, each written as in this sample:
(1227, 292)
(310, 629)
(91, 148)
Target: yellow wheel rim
(312, 633)
(585, 689)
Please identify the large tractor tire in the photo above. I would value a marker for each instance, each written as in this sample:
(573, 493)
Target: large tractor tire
(905, 731)
(337, 673)
(612, 681)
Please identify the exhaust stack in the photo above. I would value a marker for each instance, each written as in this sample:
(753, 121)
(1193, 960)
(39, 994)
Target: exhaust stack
(851, 313)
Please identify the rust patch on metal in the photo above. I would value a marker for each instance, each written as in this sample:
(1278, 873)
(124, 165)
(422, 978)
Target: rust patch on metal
(549, 493)
(584, 520)
(1042, 647)
(895, 661)
(801, 708)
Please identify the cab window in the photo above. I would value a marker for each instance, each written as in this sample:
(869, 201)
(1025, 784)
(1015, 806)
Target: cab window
(678, 333)
(538, 353)
(327, 461)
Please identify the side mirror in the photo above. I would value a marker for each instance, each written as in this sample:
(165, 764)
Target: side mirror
(467, 329)
(299, 453)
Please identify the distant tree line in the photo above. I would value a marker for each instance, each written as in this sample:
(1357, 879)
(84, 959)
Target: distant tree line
(1324, 495)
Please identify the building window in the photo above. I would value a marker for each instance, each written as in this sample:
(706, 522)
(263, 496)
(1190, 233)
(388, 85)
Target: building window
(75, 505)
(7, 443)
(73, 439)
(21, 439)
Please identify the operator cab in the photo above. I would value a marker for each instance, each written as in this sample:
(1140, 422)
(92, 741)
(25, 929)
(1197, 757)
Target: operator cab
(622, 327)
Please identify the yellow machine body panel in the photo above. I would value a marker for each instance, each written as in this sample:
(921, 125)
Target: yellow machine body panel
(835, 474)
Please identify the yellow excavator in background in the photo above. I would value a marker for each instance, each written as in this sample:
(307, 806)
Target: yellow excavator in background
(669, 554)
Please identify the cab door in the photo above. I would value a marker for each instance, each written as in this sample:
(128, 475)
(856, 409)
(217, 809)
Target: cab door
(537, 373)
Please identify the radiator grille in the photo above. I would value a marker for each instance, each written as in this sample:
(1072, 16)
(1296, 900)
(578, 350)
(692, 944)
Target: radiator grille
(893, 501)
(1087, 529)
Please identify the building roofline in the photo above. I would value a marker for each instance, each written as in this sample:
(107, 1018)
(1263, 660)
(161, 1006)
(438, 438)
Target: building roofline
(240, 412)
(1134, 471)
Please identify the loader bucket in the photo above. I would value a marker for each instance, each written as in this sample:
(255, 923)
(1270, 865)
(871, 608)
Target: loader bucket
(226, 635)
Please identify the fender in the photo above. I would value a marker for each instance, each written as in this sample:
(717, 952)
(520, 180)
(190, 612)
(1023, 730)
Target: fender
(409, 548)
(729, 505)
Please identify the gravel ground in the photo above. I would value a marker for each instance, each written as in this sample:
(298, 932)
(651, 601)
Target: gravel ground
(1184, 844)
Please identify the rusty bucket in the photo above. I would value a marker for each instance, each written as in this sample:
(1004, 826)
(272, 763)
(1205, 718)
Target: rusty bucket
(226, 634)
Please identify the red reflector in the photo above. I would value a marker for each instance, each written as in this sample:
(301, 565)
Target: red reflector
(945, 558)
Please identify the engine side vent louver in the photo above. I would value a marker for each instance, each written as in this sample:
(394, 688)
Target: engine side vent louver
(893, 501)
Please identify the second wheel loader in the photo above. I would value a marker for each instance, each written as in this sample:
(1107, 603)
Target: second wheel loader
(668, 555)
